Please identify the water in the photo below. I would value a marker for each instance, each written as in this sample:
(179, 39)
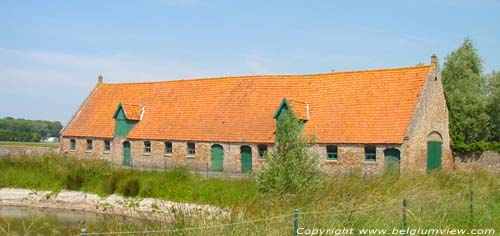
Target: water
(38, 221)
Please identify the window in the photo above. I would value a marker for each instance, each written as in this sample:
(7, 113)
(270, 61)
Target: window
(89, 144)
(107, 145)
(147, 147)
(191, 149)
(370, 153)
(262, 150)
(72, 144)
(168, 148)
(331, 152)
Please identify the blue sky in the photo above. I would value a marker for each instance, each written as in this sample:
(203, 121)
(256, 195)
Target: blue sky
(52, 51)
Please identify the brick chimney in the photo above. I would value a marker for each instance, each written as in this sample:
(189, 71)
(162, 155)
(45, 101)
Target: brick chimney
(434, 59)
(99, 79)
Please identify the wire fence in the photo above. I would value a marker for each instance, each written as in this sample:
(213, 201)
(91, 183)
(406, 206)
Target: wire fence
(435, 210)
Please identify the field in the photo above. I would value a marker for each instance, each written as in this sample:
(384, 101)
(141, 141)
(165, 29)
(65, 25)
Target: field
(29, 144)
(437, 200)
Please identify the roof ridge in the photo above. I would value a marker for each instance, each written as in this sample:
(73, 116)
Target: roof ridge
(270, 75)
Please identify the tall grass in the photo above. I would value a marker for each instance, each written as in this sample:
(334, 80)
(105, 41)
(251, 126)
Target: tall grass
(436, 200)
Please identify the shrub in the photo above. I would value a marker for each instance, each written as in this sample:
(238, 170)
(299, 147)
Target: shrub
(131, 188)
(74, 181)
(291, 168)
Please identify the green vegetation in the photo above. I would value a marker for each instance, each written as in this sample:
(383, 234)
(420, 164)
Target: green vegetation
(291, 168)
(473, 99)
(21, 130)
(436, 200)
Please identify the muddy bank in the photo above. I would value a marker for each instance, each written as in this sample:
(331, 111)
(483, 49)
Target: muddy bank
(143, 208)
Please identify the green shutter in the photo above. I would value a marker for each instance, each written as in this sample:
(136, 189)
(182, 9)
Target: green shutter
(126, 154)
(246, 159)
(217, 158)
(433, 155)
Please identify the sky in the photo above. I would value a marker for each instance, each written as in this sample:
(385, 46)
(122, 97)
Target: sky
(51, 52)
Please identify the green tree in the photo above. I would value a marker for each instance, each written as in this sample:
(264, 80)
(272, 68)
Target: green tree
(465, 93)
(290, 168)
(494, 105)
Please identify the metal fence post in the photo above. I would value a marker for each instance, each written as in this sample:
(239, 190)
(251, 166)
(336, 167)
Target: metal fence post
(471, 207)
(295, 222)
(83, 230)
(405, 223)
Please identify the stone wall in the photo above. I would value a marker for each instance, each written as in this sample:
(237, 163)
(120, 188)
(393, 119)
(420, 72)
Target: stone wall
(429, 122)
(488, 160)
(14, 151)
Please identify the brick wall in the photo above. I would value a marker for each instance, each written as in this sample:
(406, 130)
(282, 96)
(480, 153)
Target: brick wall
(350, 156)
(430, 118)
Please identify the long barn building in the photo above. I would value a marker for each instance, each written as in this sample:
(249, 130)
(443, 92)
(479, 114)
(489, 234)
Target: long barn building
(367, 120)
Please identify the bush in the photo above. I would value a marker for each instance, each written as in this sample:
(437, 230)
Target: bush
(74, 181)
(476, 147)
(131, 188)
(291, 168)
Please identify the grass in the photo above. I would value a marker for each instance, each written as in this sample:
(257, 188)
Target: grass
(29, 144)
(436, 200)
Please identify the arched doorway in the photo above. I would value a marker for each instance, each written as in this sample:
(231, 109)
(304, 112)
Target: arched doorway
(434, 151)
(126, 154)
(217, 158)
(392, 160)
(246, 159)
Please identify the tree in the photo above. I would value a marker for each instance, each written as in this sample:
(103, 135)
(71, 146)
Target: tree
(465, 93)
(290, 168)
(494, 104)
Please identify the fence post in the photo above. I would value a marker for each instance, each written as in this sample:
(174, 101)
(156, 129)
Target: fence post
(405, 223)
(471, 207)
(207, 169)
(83, 230)
(295, 222)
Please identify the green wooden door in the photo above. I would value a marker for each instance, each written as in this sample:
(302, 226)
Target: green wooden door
(126, 154)
(433, 155)
(392, 160)
(246, 159)
(217, 158)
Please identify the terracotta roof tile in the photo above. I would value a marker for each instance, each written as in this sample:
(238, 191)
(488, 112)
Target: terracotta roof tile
(132, 111)
(373, 106)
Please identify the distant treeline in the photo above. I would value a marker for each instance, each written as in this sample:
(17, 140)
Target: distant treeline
(23, 130)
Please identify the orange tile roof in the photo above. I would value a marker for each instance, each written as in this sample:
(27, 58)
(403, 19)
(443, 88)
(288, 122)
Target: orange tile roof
(132, 111)
(371, 106)
(300, 109)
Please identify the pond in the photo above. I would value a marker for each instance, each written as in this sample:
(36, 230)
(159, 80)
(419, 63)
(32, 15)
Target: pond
(39, 221)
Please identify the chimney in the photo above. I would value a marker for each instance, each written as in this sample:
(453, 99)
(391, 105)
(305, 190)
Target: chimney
(99, 79)
(434, 59)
